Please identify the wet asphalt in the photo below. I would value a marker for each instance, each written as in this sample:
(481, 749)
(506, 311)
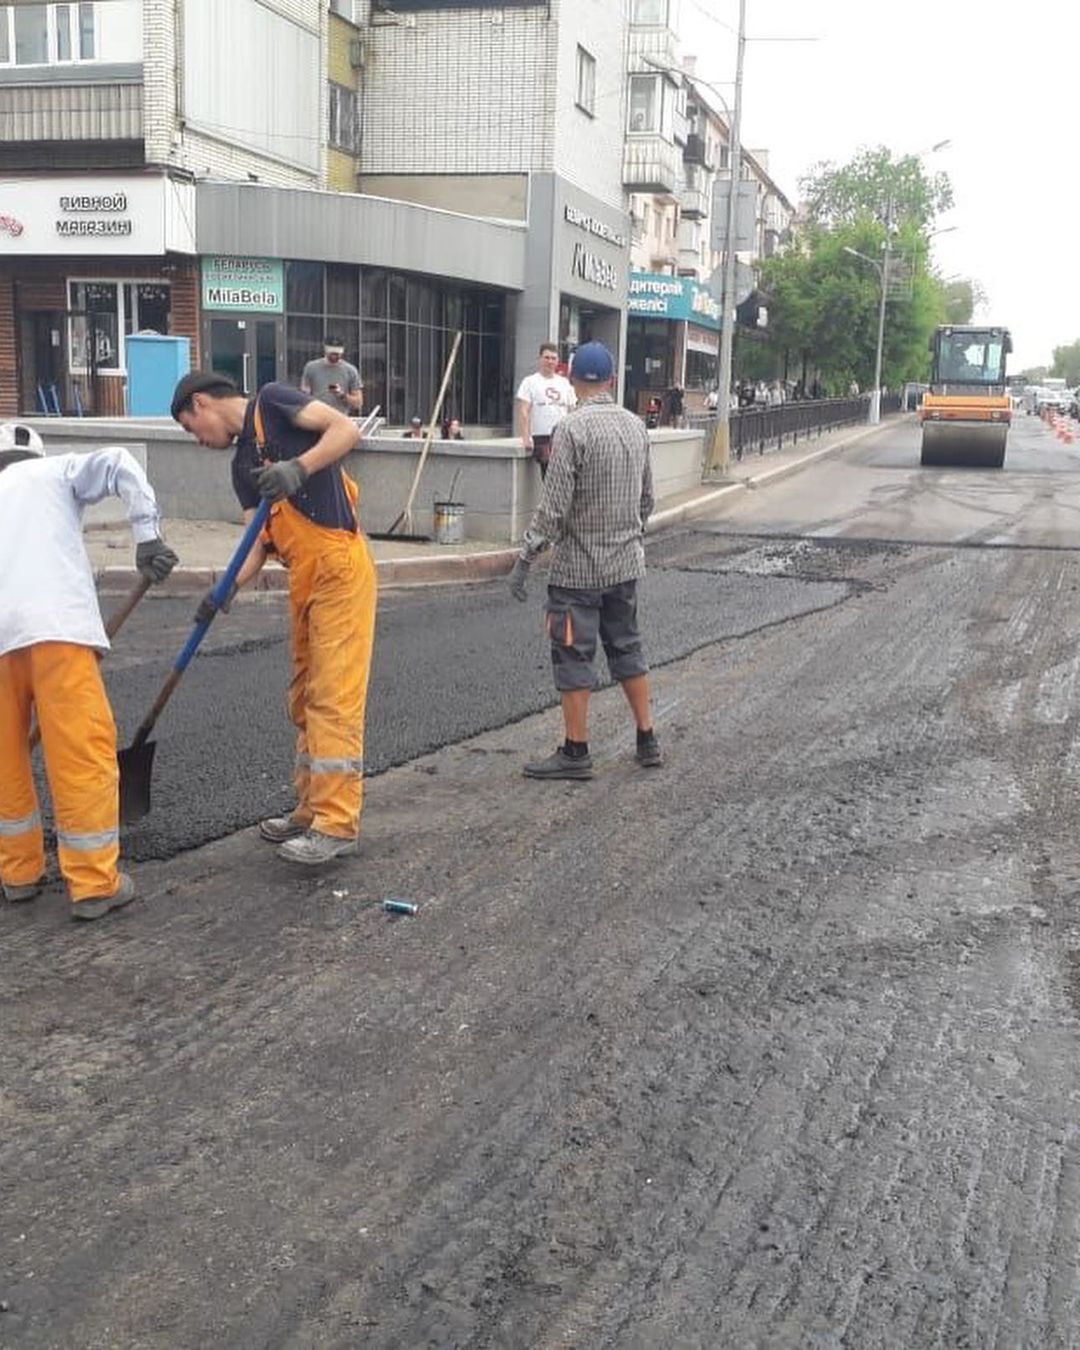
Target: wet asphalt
(450, 663)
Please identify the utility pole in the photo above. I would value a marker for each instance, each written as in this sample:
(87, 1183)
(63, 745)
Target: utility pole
(719, 457)
(875, 400)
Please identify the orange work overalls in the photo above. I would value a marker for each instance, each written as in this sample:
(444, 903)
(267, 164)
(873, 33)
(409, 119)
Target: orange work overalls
(332, 597)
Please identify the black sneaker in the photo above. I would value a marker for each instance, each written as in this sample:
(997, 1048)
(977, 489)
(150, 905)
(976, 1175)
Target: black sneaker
(560, 765)
(648, 752)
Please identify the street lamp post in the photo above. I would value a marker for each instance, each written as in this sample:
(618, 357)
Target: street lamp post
(882, 269)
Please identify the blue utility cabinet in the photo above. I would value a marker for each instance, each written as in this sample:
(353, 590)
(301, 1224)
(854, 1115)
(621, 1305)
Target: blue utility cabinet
(154, 365)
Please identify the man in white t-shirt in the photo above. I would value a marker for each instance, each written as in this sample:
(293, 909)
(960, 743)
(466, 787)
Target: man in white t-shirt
(543, 400)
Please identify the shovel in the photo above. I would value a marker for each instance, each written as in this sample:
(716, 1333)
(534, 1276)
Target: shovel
(137, 761)
(113, 624)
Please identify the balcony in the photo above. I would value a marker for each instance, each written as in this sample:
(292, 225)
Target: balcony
(651, 164)
(651, 45)
(693, 203)
(107, 117)
(695, 152)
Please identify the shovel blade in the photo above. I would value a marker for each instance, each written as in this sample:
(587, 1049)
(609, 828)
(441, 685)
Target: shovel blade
(136, 769)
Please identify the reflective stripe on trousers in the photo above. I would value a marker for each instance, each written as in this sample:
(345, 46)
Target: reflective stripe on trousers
(61, 682)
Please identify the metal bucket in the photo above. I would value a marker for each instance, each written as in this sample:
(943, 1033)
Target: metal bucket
(448, 523)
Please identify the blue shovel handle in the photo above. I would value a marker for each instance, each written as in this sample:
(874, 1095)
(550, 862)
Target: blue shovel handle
(225, 583)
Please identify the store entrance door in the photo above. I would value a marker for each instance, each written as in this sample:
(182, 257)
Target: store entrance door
(249, 350)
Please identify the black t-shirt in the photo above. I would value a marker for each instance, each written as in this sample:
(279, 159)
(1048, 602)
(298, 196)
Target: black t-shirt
(323, 498)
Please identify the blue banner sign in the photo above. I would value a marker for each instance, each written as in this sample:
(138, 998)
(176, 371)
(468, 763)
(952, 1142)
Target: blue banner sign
(656, 296)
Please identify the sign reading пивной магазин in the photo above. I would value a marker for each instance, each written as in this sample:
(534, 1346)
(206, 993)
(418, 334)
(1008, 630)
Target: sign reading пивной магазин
(252, 285)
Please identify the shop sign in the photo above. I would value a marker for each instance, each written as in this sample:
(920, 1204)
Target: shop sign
(655, 296)
(598, 228)
(589, 267)
(97, 214)
(255, 285)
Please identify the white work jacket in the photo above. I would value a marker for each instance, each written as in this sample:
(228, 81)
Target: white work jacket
(47, 591)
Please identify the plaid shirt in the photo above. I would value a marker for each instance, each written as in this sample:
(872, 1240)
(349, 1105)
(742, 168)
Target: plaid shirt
(597, 496)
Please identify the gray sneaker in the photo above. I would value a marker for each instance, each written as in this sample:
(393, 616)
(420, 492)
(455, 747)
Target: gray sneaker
(560, 765)
(648, 753)
(15, 895)
(314, 849)
(101, 904)
(279, 828)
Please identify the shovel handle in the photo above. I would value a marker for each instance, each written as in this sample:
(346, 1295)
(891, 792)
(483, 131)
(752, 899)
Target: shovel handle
(219, 594)
(223, 587)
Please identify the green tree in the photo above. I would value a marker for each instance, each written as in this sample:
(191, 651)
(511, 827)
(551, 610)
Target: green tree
(962, 296)
(876, 185)
(1066, 363)
(1033, 375)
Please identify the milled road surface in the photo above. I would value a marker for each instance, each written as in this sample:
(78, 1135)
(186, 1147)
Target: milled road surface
(776, 1046)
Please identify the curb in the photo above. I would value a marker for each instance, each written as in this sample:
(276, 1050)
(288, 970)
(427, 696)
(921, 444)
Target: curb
(456, 568)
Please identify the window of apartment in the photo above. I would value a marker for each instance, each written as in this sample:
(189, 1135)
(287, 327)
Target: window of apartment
(651, 12)
(586, 81)
(344, 119)
(44, 34)
(105, 312)
(645, 103)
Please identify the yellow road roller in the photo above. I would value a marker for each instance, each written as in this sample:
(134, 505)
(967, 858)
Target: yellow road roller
(965, 414)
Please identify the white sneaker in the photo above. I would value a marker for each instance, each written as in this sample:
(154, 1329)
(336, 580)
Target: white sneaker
(314, 849)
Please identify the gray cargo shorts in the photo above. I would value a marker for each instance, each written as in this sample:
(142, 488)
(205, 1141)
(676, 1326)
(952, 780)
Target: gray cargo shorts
(576, 618)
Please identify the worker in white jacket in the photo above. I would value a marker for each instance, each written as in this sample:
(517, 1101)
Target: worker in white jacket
(51, 637)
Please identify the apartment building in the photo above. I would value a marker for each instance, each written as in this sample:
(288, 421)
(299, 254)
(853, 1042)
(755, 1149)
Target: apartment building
(253, 174)
(677, 152)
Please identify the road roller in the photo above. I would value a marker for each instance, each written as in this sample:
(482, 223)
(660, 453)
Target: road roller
(965, 414)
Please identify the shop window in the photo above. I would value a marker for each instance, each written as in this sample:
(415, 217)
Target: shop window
(343, 290)
(395, 295)
(303, 343)
(304, 288)
(104, 312)
(373, 293)
(586, 81)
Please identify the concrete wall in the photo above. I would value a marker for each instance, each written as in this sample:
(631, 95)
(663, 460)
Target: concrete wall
(496, 480)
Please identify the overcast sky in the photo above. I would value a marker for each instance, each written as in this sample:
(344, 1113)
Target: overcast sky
(995, 78)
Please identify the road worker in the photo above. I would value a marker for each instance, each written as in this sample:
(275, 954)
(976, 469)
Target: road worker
(288, 449)
(51, 637)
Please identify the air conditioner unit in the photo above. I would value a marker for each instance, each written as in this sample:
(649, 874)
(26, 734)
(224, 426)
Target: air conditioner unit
(356, 53)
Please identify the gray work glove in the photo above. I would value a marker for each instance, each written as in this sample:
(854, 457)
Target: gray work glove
(207, 608)
(519, 576)
(155, 560)
(281, 480)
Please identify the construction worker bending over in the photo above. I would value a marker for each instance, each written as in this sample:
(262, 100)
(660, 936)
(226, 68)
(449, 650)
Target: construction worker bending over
(51, 636)
(288, 448)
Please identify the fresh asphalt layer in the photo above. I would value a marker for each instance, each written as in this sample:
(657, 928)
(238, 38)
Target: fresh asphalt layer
(450, 662)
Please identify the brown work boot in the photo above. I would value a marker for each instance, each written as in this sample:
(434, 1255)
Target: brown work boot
(279, 828)
(16, 895)
(98, 905)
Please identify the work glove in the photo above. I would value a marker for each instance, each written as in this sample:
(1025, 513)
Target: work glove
(207, 607)
(155, 560)
(281, 480)
(519, 575)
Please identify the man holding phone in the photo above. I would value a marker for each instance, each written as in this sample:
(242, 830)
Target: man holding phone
(333, 380)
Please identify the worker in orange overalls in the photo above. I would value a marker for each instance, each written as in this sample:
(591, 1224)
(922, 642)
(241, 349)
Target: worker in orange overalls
(288, 451)
(51, 637)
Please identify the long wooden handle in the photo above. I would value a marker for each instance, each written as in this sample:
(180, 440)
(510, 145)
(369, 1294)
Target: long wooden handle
(433, 423)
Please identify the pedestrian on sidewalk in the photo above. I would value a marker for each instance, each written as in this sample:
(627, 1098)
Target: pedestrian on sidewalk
(596, 498)
(543, 400)
(51, 638)
(333, 380)
(288, 450)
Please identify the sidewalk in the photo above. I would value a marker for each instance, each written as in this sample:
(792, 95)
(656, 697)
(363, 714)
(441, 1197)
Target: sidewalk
(206, 546)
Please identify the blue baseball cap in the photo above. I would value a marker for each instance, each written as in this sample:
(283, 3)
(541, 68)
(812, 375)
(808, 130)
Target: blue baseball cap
(592, 363)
